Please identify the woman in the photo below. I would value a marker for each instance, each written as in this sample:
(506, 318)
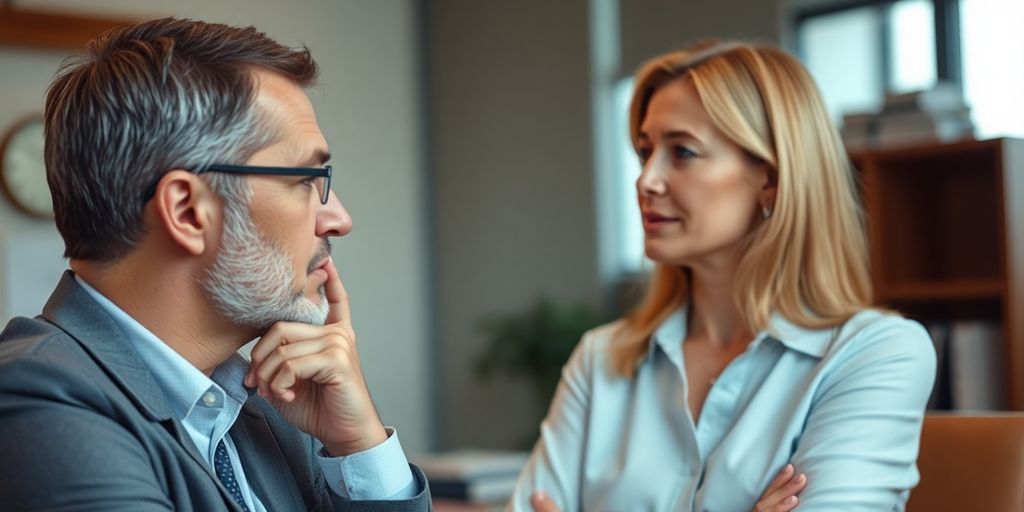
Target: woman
(754, 375)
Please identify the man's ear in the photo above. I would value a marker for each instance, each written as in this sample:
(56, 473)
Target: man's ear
(188, 211)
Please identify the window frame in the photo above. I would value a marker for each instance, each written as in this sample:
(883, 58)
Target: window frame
(948, 66)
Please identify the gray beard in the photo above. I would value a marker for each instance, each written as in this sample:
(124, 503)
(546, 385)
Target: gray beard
(251, 280)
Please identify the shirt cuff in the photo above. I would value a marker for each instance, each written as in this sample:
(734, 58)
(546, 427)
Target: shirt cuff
(379, 473)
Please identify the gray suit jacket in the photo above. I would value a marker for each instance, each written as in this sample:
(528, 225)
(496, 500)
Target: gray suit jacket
(84, 426)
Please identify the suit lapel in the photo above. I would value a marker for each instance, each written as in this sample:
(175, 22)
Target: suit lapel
(72, 310)
(266, 468)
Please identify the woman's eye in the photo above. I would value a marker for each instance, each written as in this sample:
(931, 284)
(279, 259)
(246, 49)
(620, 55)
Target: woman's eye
(644, 154)
(308, 181)
(683, 152)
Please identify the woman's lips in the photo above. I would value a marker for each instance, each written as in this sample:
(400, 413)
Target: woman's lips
(656, 221)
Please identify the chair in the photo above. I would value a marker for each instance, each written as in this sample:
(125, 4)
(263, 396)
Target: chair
(970, 463)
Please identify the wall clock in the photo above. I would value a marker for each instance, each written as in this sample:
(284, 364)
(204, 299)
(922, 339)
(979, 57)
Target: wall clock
(22, 170)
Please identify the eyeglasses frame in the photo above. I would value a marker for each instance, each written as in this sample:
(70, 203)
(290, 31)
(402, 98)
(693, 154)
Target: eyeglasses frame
(315, 172)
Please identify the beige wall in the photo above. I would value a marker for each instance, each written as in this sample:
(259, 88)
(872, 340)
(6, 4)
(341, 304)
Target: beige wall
(513, 170)
(505, 210)
(511, 166)
(370, 110)
(650, 27)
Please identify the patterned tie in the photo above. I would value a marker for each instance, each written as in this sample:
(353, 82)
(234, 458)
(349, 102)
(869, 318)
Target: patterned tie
(222, 464)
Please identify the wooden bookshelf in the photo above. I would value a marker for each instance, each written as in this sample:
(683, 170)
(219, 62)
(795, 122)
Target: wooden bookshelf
(951, 289)
(946, 232)
(52, 29)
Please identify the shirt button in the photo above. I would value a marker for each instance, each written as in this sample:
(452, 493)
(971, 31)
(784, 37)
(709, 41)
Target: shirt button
(209, 399)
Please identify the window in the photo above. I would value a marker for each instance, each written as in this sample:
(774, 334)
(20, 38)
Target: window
(911, 32)
(849, 75)
(993, 66)
(859, 51)
(631, 251)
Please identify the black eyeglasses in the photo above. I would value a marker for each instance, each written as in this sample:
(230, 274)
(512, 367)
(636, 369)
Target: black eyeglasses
(322, 176)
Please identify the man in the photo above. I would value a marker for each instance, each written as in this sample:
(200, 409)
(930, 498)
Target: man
(189, 184)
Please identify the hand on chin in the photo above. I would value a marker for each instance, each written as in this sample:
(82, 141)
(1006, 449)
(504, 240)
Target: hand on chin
(311, 373)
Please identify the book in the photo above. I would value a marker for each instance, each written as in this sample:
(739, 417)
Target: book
(941, 398)
(938, 114)
(469, 464)
(976, 366)
(920, 126)
(941, 97)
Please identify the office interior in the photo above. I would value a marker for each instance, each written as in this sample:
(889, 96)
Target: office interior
(482, 151)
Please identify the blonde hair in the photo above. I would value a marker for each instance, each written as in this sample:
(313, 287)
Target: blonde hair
(809, 260)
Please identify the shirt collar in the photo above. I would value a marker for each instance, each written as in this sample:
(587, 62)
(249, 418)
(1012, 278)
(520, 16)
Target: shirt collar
(813, 342)
(182, 383)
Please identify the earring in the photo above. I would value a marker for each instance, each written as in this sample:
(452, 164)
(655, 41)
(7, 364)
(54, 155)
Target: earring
(765, 212)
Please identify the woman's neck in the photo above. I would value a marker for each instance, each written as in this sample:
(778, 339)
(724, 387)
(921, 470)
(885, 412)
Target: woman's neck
(713, 313)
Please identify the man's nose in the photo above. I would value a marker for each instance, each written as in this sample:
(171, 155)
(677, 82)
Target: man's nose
(333, 219)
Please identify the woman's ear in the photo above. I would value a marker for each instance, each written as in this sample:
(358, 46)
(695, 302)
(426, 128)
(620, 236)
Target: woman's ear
(769, 186)
(186, 208)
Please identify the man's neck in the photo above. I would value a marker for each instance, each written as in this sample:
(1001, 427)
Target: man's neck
(170, 303)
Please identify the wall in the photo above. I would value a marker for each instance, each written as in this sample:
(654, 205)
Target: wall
(650, 27)
(513, 169)
(506, 212)
(513, 187)
(370, 110)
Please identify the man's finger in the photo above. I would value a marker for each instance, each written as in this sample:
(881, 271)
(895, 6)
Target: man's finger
(281, 333)
(319, 367)
(542, 503)
(337, 297)
(264, 371)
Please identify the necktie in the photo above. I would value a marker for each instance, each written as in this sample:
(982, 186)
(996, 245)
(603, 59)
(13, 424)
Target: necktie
(222, 465)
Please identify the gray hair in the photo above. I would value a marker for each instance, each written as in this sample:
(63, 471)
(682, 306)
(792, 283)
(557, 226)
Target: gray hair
(146, 99)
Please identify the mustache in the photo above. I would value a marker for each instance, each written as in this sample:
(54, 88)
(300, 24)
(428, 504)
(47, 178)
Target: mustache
(322, 253)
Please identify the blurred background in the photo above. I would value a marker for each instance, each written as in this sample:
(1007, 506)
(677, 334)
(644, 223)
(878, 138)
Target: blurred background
(481, 148)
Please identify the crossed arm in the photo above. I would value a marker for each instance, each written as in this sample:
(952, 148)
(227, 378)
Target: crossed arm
(856, 450)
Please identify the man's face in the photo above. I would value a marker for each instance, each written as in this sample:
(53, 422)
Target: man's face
(270, 263)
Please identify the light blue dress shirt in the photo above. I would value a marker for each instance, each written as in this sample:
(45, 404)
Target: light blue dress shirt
(208, 406)
(844, 405)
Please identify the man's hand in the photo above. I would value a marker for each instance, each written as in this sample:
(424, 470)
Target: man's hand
(311, 374)
(781, 495)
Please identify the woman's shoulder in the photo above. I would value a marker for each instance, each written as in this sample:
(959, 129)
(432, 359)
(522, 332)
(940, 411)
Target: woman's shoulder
(880, 334)
(599, 340)
(874, 324)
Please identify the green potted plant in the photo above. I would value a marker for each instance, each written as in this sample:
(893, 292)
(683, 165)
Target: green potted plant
(535, 344)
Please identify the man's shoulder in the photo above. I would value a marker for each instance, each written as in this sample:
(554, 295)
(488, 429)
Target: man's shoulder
(37, 354)
(34, 338)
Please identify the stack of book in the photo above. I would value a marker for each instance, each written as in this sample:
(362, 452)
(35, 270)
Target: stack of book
(971, 360)
(485, 477)
(858, 131)
(936, 114)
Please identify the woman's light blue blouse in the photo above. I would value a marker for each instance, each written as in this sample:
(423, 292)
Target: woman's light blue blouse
(844, 405)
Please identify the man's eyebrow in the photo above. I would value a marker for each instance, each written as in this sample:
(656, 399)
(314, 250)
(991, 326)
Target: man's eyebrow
(319, 157)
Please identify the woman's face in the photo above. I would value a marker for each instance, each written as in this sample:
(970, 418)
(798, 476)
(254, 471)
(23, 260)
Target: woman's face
(699, 193)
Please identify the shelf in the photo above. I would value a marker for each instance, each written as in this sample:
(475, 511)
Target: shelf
(946, 234)
(927, 150)
(51, 29)
(959, 289)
